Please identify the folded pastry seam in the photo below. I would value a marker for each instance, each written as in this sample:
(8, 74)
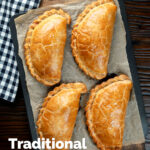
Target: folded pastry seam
(78, 88)
(90, 48)
(88, 110)
(28, 43)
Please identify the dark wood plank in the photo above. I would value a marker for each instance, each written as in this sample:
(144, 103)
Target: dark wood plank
(13, 119)
(138, 13)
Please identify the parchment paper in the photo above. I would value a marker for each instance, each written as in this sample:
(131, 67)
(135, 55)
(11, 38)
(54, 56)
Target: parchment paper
(118, 63)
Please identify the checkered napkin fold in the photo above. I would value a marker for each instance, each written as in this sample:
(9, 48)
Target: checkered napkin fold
(9, 75)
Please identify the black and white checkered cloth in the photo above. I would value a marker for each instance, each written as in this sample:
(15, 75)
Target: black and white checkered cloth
(9, 75)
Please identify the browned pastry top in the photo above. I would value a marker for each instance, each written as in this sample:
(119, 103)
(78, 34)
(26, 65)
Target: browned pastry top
(58, 114)
(106, 110)
(44, 46)
(92, 36)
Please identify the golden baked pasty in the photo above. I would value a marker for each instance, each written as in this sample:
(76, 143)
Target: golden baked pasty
(44, 46)
(106, 110)
(92, 36)
(57, 116)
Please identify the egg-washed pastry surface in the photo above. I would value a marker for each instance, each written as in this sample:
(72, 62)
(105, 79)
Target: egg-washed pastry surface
(92, 36)
(106, 110)
(58, 114)
(44, 46)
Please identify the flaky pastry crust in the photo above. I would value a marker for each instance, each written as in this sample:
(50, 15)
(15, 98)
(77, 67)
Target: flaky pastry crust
(106, 110)
(44, 46)
(58, 113)
(92, 36)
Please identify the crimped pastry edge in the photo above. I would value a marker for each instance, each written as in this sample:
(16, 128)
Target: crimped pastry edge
(31, 28)
(87, 9)
(54, 92)
(93, 92)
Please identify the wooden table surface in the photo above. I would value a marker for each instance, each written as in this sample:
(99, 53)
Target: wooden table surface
(13, 117)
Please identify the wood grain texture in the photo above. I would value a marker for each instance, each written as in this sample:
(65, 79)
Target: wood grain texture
(13, 118)
(138, 13)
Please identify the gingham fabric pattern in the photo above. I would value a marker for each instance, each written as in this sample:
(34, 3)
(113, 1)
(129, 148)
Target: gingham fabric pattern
(9, 75)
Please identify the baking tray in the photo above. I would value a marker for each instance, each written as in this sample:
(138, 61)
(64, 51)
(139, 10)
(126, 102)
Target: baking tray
(132, 66)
